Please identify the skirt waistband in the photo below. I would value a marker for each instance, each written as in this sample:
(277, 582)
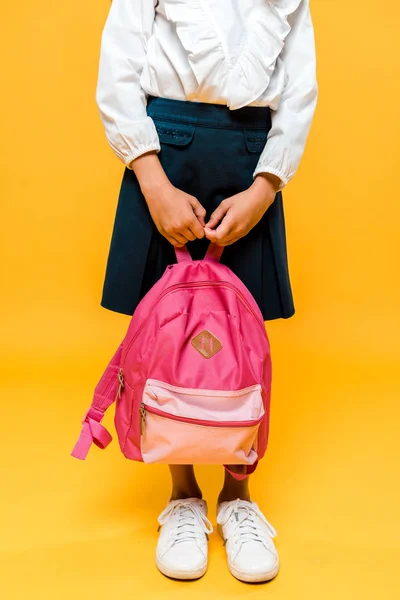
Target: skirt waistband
(209, 115)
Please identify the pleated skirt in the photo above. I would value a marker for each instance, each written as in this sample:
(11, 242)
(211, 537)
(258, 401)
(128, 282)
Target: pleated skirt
(211, 153)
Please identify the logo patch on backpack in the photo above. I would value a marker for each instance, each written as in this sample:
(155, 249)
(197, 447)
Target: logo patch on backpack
(206, 343)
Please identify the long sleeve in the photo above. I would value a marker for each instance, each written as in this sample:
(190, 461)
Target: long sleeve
(120, 98)
(291, 122)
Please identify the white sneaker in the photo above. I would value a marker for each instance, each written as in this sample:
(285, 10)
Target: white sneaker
(251, 554)
(182, 548)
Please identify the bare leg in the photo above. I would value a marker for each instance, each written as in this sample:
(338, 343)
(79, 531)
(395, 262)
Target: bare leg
(184, 484)
(233, 488)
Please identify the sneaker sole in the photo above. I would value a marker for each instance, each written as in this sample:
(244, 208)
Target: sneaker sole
(254, 577)
(182, 575)
(251, 577)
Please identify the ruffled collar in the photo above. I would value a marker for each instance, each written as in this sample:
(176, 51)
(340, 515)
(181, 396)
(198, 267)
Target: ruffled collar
(248, 77)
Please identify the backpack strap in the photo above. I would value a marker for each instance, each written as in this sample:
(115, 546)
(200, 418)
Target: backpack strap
(214, 252)
(240, 476)
(182, 254)
(104, 395)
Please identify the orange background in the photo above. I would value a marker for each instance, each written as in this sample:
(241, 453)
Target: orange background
(330, 481)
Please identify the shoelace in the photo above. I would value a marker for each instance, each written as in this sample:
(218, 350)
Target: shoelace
(189, 515)
(245, 514)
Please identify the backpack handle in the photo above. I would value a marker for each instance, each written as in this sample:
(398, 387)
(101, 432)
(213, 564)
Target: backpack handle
(182, 254)
(214, 252)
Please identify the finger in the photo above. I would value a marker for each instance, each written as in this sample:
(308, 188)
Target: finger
(173, 241)
(210, 234)
(189, 235)
(196, 228)
(227, 241)
(225, 230)
(201, 220)
(176, 240)
(231, 241)
(181, 239)
(234, 236)
(218, 214)
(198, 210)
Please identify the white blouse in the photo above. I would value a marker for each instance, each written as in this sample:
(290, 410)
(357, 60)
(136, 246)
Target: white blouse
(232, 52)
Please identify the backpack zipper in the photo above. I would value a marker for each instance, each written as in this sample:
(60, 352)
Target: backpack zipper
(142, 412)
(121, 384)
(143, 409)
(193, 284)
(203, 392)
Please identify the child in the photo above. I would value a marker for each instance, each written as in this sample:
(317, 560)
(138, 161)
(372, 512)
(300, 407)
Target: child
(208, 104)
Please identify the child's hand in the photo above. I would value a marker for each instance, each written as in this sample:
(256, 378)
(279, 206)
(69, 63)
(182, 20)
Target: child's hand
(178, 216)
(236, 216)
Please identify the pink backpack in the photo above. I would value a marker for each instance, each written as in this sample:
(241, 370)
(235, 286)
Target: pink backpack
(192, 378)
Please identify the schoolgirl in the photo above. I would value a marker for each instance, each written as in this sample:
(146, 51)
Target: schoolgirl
(208, 104)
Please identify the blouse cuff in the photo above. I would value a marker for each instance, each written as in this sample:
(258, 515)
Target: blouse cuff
(139, 151)
(284, 177)
(131, 139)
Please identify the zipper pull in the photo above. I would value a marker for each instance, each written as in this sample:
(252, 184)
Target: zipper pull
(142, 411)
(120, 383)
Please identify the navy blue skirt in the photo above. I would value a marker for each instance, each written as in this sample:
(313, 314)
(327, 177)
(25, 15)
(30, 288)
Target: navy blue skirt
(211, 153)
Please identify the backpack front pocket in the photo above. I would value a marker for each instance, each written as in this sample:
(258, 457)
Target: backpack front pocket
(188, 426)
